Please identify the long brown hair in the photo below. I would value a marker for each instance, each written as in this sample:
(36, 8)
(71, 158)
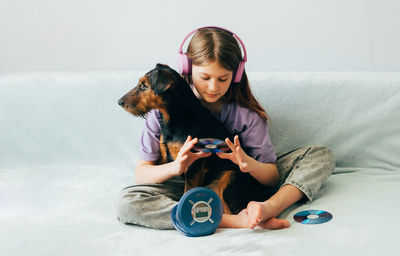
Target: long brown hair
(212, 44)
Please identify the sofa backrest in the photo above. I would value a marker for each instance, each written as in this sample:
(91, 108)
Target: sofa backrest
(67, 118)
(356, 114)
(73, 117)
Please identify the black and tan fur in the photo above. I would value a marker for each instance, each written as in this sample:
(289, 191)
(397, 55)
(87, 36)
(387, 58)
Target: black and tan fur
(182, 114)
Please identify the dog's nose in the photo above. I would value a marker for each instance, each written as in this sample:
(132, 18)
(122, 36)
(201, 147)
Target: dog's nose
(121, 102)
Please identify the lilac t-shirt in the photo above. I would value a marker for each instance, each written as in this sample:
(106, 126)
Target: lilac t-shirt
(251, 128)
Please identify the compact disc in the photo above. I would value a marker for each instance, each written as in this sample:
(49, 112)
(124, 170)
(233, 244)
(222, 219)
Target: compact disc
(210, 145)
(313, 217)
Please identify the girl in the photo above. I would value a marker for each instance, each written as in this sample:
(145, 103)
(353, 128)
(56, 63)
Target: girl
(215, 70)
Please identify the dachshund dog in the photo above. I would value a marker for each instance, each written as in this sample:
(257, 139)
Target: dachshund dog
(182, 114)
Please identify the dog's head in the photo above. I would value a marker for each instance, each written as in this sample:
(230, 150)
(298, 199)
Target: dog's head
(152, 91)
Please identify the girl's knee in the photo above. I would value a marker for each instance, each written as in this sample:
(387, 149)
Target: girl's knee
(126, 205)
(323, 155)
(138, 207)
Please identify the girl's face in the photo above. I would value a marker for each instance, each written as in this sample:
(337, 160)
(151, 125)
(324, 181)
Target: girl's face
(211, 81)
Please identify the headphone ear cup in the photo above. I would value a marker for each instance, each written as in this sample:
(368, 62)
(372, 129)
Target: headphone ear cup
(239, 72)
(184, 64)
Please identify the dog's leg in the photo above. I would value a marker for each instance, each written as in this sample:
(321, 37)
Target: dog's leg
(219, 186)
(163, 151)
(194, 177)
(168, 150)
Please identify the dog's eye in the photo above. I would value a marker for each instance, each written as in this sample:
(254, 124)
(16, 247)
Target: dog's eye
(144, 86)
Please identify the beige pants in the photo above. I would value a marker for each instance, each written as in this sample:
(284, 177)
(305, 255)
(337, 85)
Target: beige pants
(150, 205)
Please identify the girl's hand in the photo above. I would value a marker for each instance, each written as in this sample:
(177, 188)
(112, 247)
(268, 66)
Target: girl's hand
(238, 156)
(186, 158)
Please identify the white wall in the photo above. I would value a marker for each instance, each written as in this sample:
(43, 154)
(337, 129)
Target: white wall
(284, 35)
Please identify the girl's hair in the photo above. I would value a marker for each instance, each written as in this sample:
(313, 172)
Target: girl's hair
(211, 44)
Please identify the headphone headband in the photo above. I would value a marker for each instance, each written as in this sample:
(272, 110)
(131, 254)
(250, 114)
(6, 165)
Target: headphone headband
(236, 36)
(185, 65)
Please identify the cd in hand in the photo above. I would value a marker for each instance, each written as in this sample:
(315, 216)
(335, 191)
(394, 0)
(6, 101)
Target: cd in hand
(210, 145)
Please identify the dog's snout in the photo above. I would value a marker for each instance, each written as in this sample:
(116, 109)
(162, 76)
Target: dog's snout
(121, 102)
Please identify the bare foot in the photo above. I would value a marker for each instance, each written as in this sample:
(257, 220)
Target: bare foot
(243, 220)
(261, 214)
(258, 212)
(243, 212)
(274, 223)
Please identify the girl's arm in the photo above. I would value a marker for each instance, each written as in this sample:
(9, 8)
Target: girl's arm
(265, 173)
(149, 172)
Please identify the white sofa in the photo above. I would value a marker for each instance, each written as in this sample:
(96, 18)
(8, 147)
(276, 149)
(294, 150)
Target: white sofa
(67, 148)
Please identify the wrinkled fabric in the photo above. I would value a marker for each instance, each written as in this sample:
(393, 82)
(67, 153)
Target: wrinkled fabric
(150, 205)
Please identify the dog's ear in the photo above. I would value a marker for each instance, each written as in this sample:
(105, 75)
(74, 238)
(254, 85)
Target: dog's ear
(162, 66)
(162, 80)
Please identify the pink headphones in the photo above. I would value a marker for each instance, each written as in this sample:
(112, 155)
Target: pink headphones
(185, 64)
